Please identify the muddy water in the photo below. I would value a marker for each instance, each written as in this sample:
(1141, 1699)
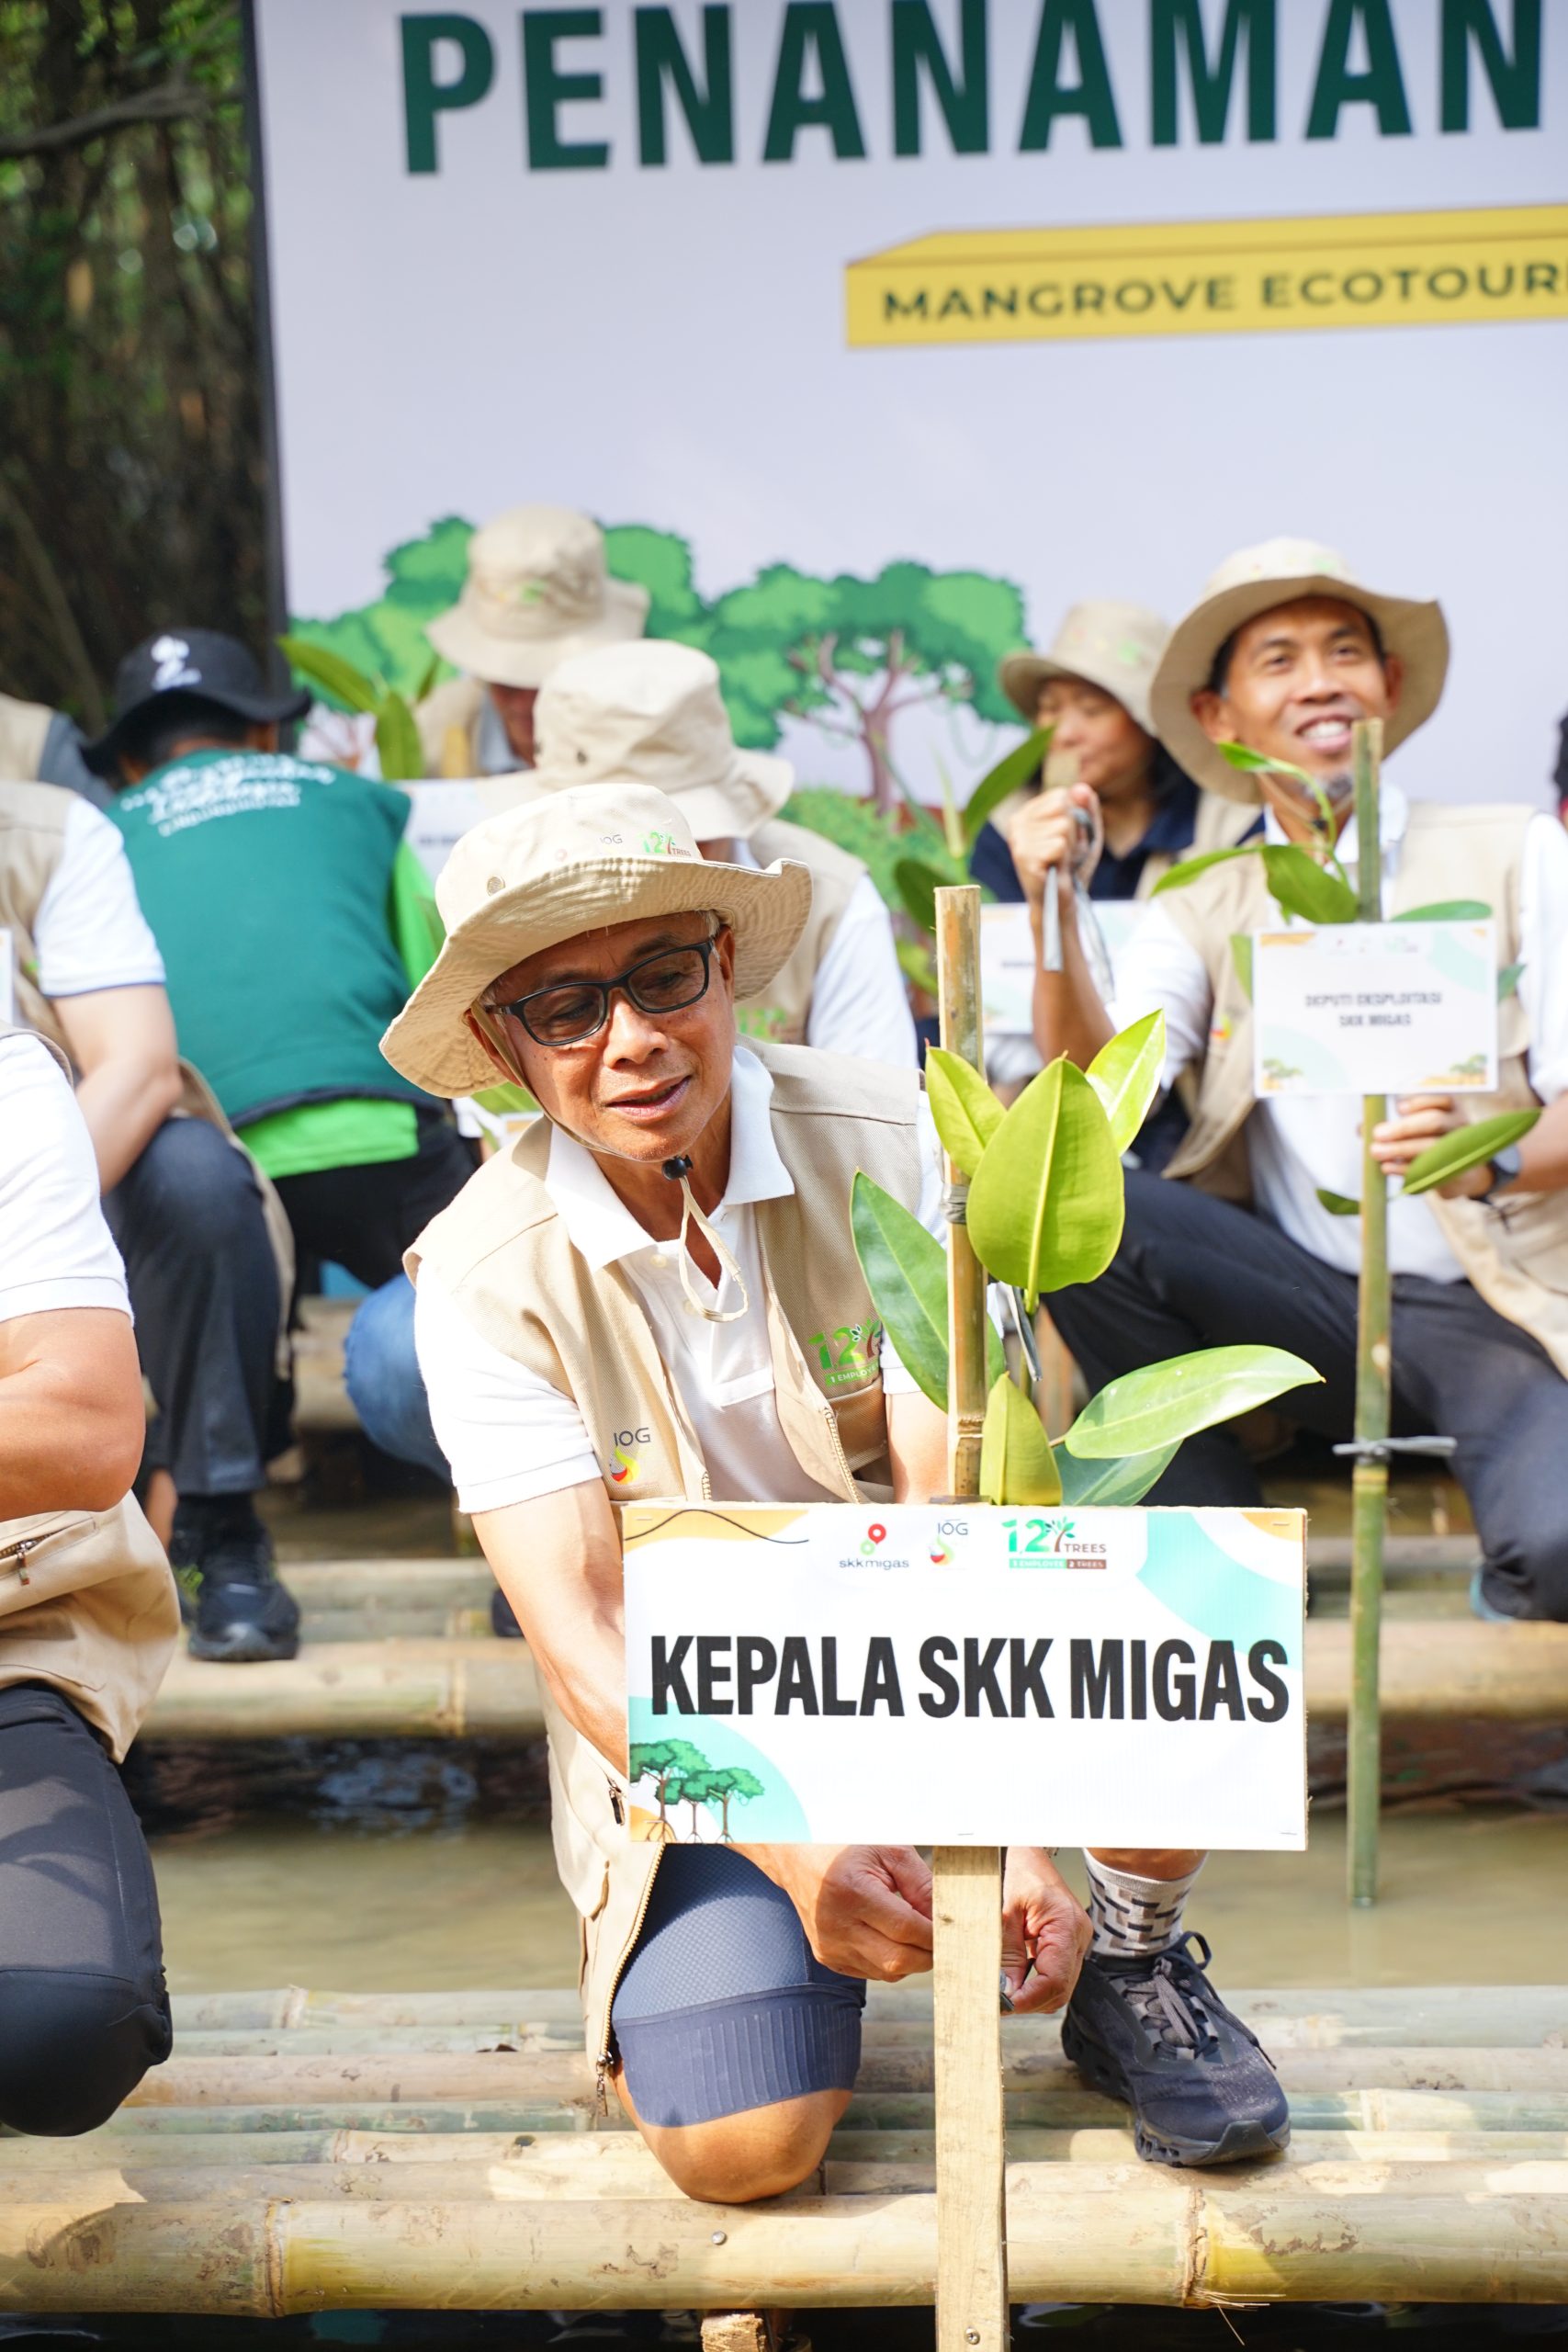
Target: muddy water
(1469, 1898)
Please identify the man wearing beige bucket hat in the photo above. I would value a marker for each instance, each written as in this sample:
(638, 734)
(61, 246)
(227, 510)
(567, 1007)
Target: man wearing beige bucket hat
(1284, 652)
(652, 711)
(537, 591)
(625, 1302)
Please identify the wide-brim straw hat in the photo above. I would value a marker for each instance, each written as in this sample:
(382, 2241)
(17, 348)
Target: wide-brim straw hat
(564, 864)
(1114, 646)
(651, 712)
(536, 592)
(1255, 580)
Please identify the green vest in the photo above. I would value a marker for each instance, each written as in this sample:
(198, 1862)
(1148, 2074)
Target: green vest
(265, 881)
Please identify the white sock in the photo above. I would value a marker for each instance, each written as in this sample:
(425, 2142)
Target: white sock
(1132, 1915)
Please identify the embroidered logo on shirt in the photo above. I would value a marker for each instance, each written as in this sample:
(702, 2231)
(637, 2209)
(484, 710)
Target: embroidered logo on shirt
(624, 1453)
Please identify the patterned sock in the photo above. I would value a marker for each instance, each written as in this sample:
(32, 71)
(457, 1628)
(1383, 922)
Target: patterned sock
(1132, 1915)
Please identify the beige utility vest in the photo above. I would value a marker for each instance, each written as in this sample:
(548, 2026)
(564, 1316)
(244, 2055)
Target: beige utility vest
(1515, 1254)
(87, 1605)
(501, 1252)
(23, 730)
(33, 838)
(780, 1011)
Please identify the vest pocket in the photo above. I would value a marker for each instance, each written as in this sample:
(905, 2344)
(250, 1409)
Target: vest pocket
(35, 1562)
(861, 1417)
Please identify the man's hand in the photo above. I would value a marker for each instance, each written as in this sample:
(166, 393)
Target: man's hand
(1420, 1120)
(866, 1910)
(1046, 834)
(1044, 1924)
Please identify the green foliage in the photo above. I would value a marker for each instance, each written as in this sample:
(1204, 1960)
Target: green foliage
(1125, 1074)
(1166, 1402)
(867, 833)
(1508, 980)
(905, 1270)
(1045, 1205)
(1241, 956)
(336, 678)
(1463, 1148)
(1337, 1204)
(966, 1113)
(917, 885)
(1299, 886)
(397, 741)
(1016, 1464)
(1012, 773)
(1123, 1479)
(1187, 869)
(1448, 910)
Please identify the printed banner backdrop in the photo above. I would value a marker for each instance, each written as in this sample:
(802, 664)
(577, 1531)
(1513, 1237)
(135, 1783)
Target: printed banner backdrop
(964, 1675)
(878, 331)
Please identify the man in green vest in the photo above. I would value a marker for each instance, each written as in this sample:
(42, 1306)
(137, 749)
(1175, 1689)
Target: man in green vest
(1284, 652)
(291, 917)
(627, 1300)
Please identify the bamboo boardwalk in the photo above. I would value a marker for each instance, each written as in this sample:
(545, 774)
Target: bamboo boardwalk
(402, 1648)
(312, 2152)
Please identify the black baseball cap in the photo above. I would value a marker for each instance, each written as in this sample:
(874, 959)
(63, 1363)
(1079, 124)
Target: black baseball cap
(198, 662)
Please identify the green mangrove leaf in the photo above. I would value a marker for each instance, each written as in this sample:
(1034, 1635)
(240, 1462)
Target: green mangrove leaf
(917, 885)
(397, 741)
(1125, 1074)
(1176, 877)
(964, 1108)
(1250, 762)
(1448, 910)
(327, 671)
(1466, 1147)
(1166, 1402)
(1241, 956)
(1301, 887)
(1017, 1464)
(906, 1272)
(916, 965)
(1010, 773)
(1046, 1206)
(428, 676)
(1337, 1204)
(1508, 980)
(1124, 1478)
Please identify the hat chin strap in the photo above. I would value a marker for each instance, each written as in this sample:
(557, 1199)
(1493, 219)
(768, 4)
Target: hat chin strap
(679, 1173)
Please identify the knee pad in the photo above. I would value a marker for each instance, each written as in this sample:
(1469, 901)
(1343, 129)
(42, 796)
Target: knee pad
(73, 2047)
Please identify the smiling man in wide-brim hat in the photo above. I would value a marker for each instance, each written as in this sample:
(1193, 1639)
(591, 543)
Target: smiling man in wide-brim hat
(538, 592)
(654, 710)
(629, 1302)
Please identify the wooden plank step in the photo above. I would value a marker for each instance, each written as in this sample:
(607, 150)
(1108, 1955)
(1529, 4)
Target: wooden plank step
(430, 1689)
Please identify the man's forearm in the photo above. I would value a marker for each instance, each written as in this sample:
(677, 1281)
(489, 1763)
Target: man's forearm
(1068, 1015)
(125, 1104)
(1543, 1153)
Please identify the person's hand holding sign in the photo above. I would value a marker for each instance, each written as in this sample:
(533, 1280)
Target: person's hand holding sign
(1420, 1119)
(1045, 1931)
(866, 1909)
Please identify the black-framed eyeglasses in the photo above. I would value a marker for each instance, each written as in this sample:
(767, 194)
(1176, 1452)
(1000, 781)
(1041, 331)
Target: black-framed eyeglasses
(573, 1011)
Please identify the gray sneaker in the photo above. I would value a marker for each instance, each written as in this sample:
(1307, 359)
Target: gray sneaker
(1152, 2030)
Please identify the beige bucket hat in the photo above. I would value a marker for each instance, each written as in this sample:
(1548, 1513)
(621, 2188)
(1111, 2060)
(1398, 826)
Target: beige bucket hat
(1254, 581)
(651, 712)
(566, 863)
(1116, 646)
(536, 592)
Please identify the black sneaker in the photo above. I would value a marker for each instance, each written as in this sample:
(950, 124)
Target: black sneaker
(1152, 2030)
(242, 1613)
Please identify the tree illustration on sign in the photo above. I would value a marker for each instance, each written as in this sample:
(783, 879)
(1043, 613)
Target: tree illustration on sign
(845, 654)
(682, 1775)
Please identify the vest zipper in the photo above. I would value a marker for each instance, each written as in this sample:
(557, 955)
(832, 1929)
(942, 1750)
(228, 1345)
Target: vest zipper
(607, 2058)
(16, 1555)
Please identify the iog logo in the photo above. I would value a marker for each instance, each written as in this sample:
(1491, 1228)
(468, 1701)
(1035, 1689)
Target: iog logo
(624, 1447)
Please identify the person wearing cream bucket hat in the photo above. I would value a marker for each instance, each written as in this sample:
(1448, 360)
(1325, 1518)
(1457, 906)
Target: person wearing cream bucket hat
(1283, 652)
(537, 591)
(629, 1300)
(654, 711)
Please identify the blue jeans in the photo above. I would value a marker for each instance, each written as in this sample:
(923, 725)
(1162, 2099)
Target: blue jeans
(381, 1373)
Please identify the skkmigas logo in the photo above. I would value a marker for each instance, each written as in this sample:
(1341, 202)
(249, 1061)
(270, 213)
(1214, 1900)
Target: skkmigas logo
(850, 1354)
(625, 1468)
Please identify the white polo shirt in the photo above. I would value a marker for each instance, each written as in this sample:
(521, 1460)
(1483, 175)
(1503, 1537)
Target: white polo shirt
(858, 1003)
(55, 1249)
(1297, 1144)
(509, 1437)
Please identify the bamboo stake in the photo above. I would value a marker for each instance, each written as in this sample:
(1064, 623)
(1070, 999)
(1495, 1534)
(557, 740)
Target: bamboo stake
(966, 1882)
(1369, 1477)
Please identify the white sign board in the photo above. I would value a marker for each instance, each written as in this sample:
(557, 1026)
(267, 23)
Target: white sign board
(1390, 1007)
(966, 1675)
(441, 814)
(885, 333)
(1009, 958)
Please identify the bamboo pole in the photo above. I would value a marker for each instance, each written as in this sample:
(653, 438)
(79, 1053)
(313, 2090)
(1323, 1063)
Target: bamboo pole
(966, 1882)
(1369, 1477)
(1195, 2240)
